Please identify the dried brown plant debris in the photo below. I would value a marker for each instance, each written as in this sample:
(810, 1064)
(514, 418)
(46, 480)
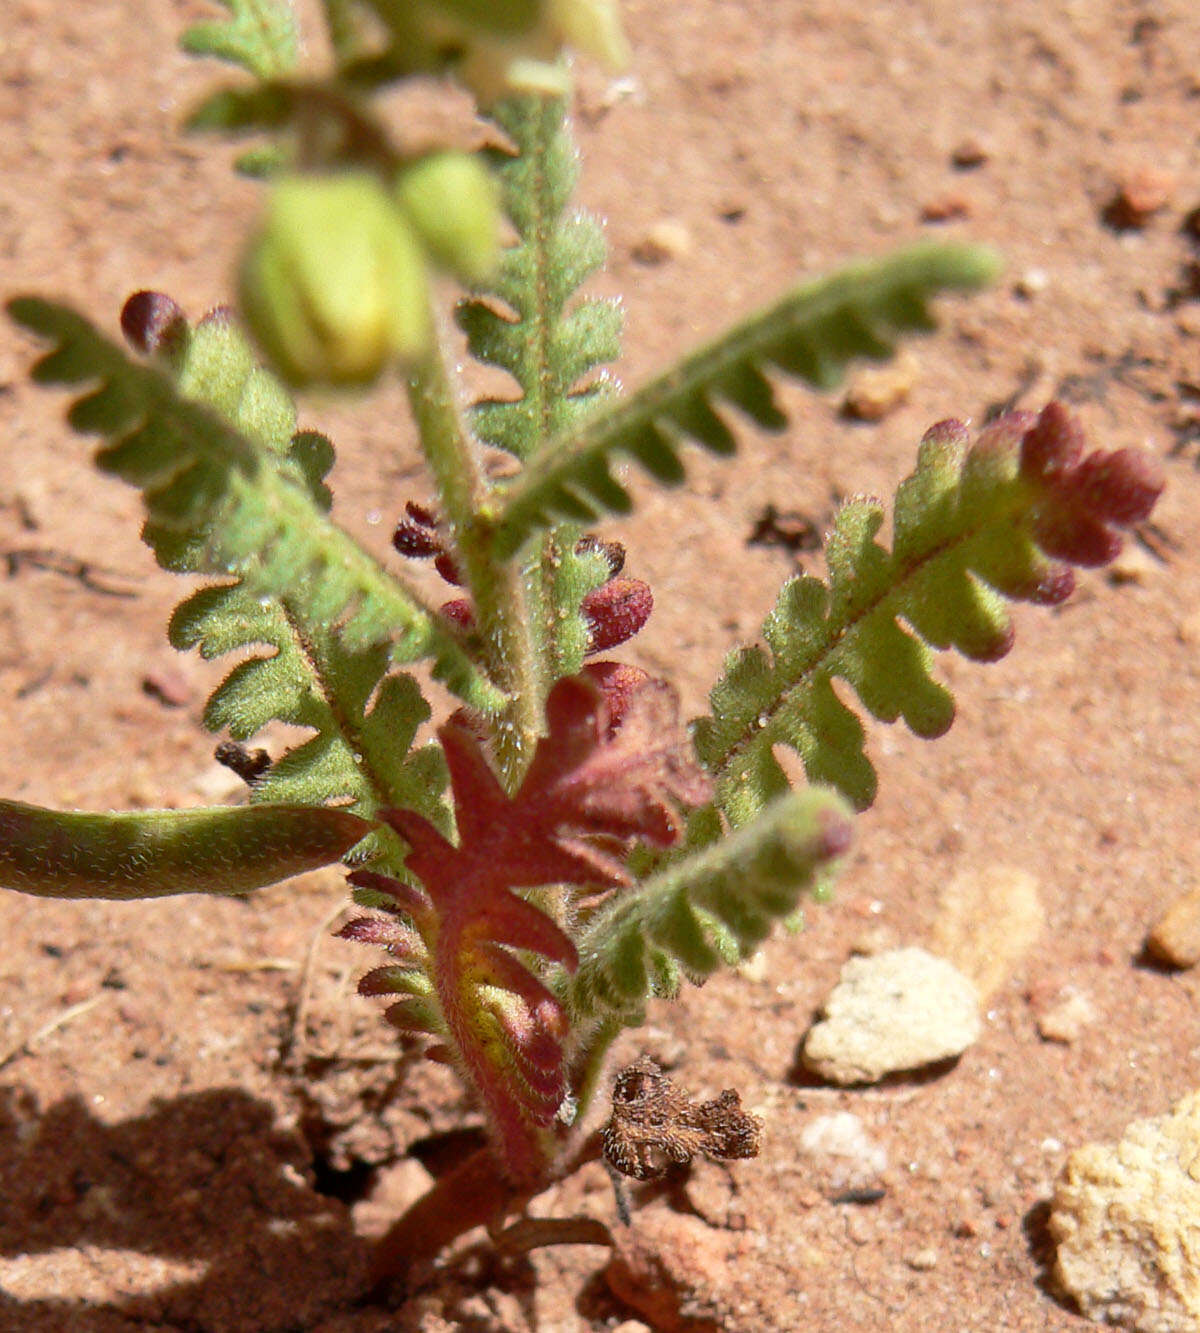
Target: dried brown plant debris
(656, 1125)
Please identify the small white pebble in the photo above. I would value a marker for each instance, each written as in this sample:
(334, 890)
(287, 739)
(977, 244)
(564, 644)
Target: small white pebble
(1032, 283)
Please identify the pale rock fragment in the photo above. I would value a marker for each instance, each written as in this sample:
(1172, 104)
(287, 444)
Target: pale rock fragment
(1175, 938)
(1033, 282)
(894, 1011)
(843, 1155)
(1064, 1019)
(665, 240)
(1133, 564)
(986, 921)
(1140, 194)
(878, 390)
(1126, 1220)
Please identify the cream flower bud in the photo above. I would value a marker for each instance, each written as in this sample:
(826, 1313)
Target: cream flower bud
(452, 201)
(334, 284)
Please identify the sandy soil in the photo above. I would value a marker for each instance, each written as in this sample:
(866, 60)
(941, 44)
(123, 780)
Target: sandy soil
(182, 1153)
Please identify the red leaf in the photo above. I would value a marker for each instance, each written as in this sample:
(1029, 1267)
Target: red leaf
(1083, 499)
(592, 787)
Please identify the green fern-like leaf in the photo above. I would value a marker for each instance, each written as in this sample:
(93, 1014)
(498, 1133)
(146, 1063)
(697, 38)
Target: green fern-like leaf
(223, 502)
(363, 719)
(708, 909)
(811, 334)
(973, 525)
(531, 323)
(260, 35)
(301, 671)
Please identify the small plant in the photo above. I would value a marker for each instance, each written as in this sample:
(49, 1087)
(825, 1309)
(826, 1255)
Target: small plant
(565, 849)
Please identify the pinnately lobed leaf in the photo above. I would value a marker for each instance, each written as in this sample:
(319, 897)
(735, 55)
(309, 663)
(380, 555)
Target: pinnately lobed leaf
(155, 853)
(241, 500)
(975, 524)
(259, 35)
(711, 907)
(530, 321)
(812, 334)
(472, 952)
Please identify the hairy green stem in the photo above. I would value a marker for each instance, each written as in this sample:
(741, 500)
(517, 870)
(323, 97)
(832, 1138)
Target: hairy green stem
(497, 588)
(589, 1065)
(541, 568)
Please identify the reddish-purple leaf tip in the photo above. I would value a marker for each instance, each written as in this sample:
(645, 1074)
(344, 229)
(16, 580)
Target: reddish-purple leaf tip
(950, 430)
(1083, 499)
(1053, 444)
(837, 833)
(1055, 587)
(415, 541)
(447, 566)
(151, 322)
(619, 683)
(1121, 487)
(615, 612)
(459, 612)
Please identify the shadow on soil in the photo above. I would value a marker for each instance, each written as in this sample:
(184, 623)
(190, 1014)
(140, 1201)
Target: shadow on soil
(207, 1179)
(1036, 1227)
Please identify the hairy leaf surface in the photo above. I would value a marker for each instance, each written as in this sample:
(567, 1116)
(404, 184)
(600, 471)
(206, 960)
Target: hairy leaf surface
(711, 907)
(155, 853)
(973, 525)
(247, 503)
(531, 323)
(811, 334)
(591, 787)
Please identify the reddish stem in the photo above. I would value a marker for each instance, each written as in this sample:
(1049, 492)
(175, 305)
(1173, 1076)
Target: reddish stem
(473, 1194)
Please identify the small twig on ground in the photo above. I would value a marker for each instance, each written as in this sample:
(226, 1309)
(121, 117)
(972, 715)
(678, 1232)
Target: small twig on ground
(256, 965)
(294, 1043)
(28, 1044)
(535, 1233)
(84, 572)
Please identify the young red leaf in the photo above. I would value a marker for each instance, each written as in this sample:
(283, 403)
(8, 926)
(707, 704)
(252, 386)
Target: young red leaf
(591, 788)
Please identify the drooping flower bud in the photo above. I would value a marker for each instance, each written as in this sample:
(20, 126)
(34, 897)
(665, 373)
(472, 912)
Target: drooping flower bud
(452, 201)
(591, 26)
(334, 285)
(497, 47)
